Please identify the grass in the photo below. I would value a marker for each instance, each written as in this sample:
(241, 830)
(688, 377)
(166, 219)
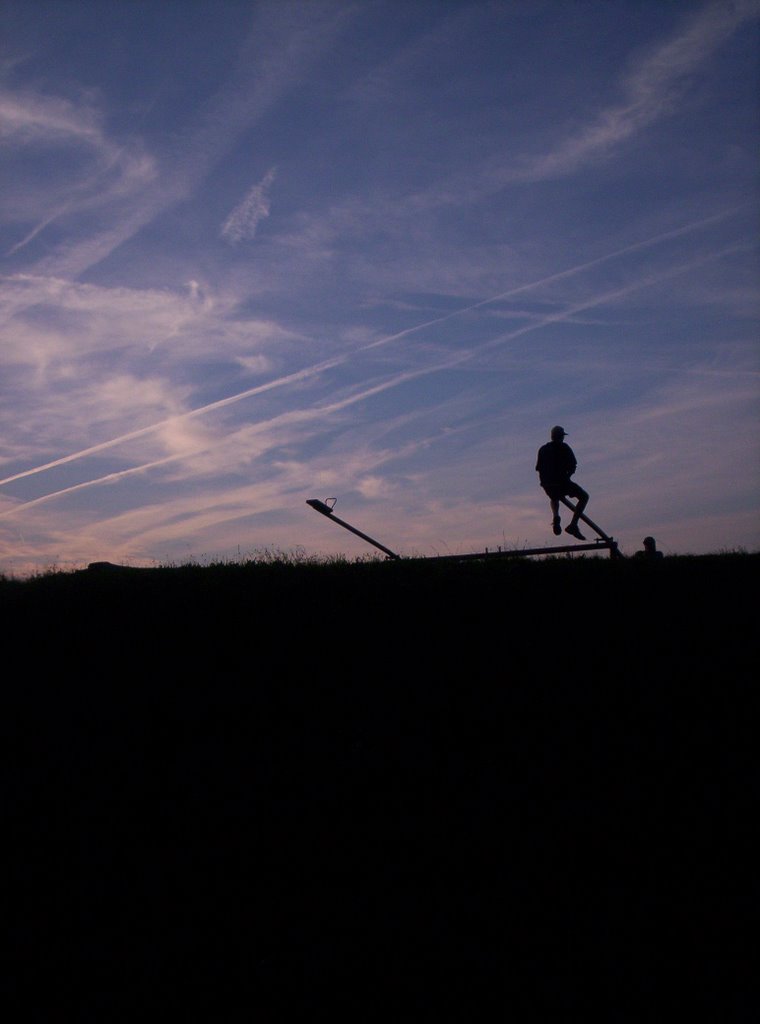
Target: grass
(526, 586)
(282, 615)
(296, 783)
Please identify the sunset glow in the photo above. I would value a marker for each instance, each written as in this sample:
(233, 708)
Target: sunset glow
(259, 253)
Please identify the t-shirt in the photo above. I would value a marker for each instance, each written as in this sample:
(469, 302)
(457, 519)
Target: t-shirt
(556, 463)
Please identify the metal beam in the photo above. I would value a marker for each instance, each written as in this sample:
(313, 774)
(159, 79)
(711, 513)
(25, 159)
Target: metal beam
(612, 544)
(320, 506)
(599, 545)
(602, 543)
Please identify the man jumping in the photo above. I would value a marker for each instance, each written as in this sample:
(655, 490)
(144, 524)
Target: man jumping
(556, 464)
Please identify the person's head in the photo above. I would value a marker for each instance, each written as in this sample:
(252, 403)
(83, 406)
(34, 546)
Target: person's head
(558, 434)
(650, 545)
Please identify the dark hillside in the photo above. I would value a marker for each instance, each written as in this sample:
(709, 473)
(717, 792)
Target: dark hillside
(411, 784)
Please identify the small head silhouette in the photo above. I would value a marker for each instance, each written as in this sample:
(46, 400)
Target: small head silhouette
(650, 552)
(558, 433)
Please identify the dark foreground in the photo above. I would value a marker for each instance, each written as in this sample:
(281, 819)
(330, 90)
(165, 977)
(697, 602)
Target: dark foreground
(384, 790)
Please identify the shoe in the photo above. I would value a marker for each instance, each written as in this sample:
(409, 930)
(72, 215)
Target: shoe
(557, 526)
(573, 530)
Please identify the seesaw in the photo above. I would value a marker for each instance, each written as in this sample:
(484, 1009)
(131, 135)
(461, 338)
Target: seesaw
(602, 542)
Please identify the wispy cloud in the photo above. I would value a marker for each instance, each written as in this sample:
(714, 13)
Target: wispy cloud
(404, 306)
(248, 443)
(28, 117)
(95, 168)
(283, 42)
(245, 218)
(448, 362)
(52, 320)
(651, 90)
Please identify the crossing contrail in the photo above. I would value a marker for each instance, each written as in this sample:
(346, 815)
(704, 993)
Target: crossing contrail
(328, 364)
(302, 415)
(293, 416)
(560, 275)
(290, 378)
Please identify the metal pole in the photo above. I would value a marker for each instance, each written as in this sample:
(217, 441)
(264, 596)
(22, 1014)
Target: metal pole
(601, 544)
(320, 506)
(598, 545)
(614, 550)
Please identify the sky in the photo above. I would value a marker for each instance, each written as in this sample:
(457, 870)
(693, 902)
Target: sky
(254, 253)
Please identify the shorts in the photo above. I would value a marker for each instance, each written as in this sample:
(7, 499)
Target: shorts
(568, 489)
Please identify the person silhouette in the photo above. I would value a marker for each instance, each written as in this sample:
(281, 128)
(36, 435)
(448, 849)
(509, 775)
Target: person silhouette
(555, 465)
(650, 552)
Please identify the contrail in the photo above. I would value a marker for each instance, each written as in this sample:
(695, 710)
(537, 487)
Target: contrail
(321, 367)
(280, 382)
(616, 293)
(303, 415)
(109, 478)
(571, 271)
(295, 415)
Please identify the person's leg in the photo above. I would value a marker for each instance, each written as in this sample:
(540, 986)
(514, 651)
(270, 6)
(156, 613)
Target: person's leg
(556, 521)
(580, 504)
(581, 500)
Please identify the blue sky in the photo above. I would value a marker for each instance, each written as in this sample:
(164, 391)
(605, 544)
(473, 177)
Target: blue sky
(255, 253)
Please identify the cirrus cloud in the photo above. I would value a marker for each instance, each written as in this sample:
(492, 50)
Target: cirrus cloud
(245, 218)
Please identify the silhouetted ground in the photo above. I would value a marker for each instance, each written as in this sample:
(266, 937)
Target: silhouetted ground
(393, 787)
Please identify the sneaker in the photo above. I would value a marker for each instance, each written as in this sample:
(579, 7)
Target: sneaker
(557, 526)
(573, 530)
